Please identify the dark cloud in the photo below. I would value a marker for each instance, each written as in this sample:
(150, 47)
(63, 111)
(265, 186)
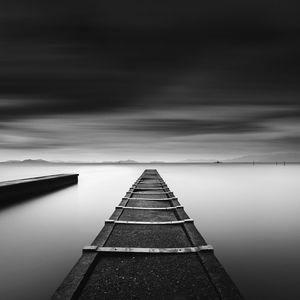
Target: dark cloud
(191, 127)
(32, 146)
(71, 57)
(108, 59)
(215, 120)
(289, 140)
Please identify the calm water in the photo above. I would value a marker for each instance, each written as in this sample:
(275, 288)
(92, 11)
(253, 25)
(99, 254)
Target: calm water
(250, 214)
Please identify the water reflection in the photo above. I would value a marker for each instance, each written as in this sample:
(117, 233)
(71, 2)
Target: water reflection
(250, 215)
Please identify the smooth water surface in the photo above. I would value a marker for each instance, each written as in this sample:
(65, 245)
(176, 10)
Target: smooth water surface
(250, 214)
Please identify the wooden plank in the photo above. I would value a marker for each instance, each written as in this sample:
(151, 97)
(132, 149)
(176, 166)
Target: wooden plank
(151, 208)
(151, 199)
(149, 250)
(150, 223)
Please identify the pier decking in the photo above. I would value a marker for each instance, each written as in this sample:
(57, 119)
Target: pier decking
(148, 249)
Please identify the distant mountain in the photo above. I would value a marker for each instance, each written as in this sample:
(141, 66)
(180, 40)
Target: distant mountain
(27, 161)
(272, 157)
(128, 161)
(42, 161)
(190, 160)
(259, 158)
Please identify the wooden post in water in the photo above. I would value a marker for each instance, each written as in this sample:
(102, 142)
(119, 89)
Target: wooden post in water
(148, 249)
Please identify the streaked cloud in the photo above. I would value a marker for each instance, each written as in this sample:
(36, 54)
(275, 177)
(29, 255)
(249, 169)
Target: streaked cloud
(139, 134)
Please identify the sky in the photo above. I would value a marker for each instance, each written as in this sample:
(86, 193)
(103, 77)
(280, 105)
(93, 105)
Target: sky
(148, 80)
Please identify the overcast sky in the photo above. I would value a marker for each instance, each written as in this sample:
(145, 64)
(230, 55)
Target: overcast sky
(144, 80)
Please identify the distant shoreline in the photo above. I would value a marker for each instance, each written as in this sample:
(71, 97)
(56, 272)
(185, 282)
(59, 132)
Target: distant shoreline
(149, 163)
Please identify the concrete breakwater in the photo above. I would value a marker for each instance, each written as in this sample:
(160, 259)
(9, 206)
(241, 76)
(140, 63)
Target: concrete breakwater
(17, 190)
(148, 249)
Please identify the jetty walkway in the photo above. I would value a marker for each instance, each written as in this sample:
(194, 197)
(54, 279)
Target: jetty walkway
(148, 249)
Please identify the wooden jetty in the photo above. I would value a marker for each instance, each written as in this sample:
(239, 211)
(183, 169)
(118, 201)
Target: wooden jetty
(148, 249)
(18, 190)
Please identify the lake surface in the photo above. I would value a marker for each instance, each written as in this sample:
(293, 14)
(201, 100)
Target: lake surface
(250, 214)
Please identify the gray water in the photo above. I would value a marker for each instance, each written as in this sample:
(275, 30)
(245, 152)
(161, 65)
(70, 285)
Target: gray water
(250, 214)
